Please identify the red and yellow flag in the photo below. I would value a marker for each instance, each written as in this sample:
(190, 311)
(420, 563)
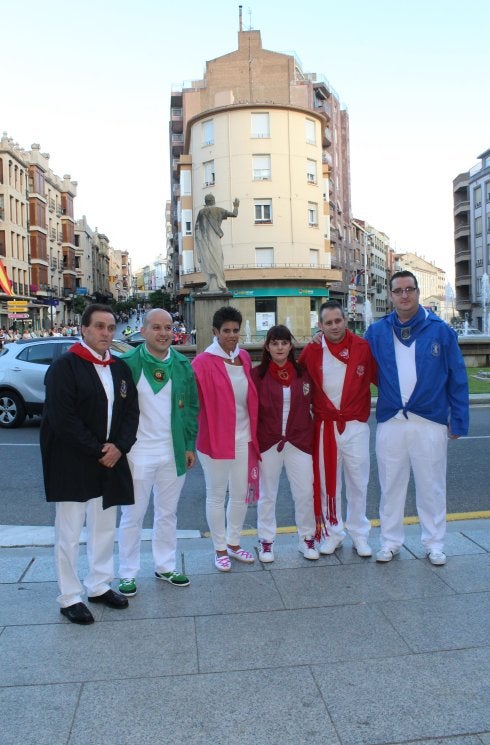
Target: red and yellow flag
(5, 284)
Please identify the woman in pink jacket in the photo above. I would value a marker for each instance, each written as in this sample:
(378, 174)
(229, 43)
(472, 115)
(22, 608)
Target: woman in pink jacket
(285, 433)
(227, 442)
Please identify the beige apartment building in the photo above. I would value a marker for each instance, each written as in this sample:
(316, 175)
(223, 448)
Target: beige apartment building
(37, 241)
(258, 128)
(14, 214)
(431, 280)
(119, 274)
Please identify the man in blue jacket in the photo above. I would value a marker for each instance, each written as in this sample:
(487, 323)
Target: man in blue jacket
(422, 399)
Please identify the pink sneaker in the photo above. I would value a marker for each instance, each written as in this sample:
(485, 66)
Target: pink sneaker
(222, 563)
(241, 555)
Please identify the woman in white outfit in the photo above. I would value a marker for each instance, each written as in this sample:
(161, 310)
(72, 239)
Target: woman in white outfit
(227, 444)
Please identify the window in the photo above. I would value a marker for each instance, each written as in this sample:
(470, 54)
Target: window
(261, 167)
(310, 131)
(208, 168)
(185, 182)
(42, 354)
(487, 191)
(313, 257)
(265, 314)
(311, 171)
(260, 125)
(264, 257)
(186, 222)
(208, 132)
(477, 195)
(477, 225)
(312, 214)
(263, 210)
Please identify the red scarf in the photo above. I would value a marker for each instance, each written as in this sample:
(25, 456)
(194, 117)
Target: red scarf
(86, 354)
(341, 349)
(283, 374)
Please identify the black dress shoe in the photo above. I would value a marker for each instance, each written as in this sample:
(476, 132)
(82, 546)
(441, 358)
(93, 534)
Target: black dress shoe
(111, 599)
(77, 613)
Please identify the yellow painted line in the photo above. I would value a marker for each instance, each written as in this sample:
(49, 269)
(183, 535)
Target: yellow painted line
(412, 520)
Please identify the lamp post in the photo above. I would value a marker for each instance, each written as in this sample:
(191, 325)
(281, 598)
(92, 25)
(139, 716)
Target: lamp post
(367, 236)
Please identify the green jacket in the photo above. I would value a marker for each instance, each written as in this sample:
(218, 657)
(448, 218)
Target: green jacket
(185, 403)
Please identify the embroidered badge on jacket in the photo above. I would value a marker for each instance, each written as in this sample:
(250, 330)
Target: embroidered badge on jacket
(435, 349)
(123, 389)
(306, 389)
(159, 375)
(360, 370)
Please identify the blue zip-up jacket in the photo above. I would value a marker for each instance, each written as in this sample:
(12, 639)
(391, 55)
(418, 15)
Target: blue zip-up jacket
(441, 391)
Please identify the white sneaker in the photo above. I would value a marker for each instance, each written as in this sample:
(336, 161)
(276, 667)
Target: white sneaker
(438, 558)
(362, 547)
(329, 544)
(266, 554)
(307, 548)
(386, 554)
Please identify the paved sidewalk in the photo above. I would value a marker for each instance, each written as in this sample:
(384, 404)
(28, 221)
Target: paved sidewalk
(338, 651)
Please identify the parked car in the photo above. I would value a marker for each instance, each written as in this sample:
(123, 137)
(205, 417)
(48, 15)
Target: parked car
(23, 366)
(137, 338)
(134, 339)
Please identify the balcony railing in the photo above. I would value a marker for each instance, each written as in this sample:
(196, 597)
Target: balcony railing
(267, 265)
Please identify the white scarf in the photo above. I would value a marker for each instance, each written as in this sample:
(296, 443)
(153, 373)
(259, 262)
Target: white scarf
(217, 350)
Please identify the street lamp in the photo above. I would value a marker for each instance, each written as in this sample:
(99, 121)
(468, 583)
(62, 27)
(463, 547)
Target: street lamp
(367, 236)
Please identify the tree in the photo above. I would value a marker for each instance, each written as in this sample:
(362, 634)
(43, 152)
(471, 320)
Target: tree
(160, 299)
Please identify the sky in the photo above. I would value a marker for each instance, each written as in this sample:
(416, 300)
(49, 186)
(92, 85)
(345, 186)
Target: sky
(90, 82)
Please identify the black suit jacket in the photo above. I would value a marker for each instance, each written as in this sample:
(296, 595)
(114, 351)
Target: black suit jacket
(74, 429)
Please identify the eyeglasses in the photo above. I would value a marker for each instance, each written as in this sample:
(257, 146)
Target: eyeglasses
(404, 290)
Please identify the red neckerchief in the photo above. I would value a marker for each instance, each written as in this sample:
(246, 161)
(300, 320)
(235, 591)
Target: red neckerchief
(85, 354)
(283, 374)
(341, 350)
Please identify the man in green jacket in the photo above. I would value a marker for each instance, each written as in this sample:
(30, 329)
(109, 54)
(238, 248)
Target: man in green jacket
(164, 450)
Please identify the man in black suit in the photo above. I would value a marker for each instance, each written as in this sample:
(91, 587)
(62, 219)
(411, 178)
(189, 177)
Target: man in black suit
(89, 424)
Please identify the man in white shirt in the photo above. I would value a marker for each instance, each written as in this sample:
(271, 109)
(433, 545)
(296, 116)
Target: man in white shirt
(164, 450)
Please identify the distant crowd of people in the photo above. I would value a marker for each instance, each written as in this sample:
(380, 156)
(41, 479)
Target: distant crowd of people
(14, 334)
(115, 431)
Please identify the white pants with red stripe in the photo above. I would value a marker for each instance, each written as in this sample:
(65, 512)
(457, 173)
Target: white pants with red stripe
(160, 474)
(299, 470)
(101, 528)
(353, 462)
(421, 445)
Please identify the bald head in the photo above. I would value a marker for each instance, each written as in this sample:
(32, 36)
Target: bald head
(151, 315)
(157, 331)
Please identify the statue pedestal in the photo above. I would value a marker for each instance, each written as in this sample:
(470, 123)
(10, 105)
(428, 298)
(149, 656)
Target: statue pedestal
(205, 306)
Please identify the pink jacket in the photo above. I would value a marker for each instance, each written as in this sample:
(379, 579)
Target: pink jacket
(217, 416)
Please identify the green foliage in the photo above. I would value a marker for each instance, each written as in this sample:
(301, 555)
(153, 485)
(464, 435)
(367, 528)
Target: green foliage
(124, 306)
(78, 304)
(475, 385)
(160, 299)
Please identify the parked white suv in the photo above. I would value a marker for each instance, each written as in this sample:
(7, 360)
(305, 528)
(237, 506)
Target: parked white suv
(23, 366)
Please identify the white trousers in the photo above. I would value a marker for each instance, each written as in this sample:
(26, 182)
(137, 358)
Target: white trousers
(219, 476)
(299, 470)
(159, 474)
(353, 462)
(101, 528)
(421, 445)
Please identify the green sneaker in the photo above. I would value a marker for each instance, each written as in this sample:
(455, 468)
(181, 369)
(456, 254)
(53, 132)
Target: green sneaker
(179, 580)
(127, 586)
